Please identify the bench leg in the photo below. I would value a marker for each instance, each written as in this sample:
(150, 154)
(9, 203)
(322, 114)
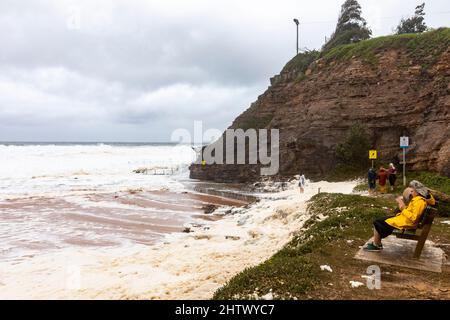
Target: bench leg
(419, 248)
(421, 241)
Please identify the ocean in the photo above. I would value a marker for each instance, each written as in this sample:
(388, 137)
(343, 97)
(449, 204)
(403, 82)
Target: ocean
(57, 195)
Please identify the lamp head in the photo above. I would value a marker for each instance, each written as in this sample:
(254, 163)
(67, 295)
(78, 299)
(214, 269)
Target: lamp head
(296, 21)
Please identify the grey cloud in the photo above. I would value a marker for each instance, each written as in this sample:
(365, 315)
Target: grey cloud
(136, 70)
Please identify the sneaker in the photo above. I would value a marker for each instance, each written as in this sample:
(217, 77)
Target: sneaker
(373, 247)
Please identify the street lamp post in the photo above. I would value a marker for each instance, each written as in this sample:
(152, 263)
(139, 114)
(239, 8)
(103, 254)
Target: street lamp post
(297, 23)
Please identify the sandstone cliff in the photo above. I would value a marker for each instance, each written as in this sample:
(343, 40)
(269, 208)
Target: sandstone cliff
(395, 85)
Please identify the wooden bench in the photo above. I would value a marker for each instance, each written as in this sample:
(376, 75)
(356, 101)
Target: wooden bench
(426, 220)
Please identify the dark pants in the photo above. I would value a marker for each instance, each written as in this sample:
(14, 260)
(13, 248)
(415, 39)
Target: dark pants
(382, 227)
(392, 178)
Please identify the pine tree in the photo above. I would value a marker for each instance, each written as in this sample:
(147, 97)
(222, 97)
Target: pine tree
(351, 26)
(415, 24)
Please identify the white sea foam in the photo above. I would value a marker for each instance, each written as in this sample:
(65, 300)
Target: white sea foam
(63, 178)
(183, 266)
(80, 182)
(32, 170)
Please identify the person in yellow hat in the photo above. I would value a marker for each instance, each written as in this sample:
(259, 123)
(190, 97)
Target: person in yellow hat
(407, 218)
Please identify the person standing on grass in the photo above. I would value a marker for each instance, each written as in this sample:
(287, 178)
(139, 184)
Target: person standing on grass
(392, 175)
(372, 180)
(382, 178)
(407, 218)
(301, 183)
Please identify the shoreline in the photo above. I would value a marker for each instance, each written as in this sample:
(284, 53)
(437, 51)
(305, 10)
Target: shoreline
(183, 266)
(35, 225)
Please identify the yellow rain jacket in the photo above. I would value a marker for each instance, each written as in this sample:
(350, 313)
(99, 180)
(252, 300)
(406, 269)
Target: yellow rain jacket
(409, 217)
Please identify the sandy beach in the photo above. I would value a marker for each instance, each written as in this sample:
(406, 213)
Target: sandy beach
(181, 266)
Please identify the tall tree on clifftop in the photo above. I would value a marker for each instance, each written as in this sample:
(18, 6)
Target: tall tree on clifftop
(415, 24)
(351, 26)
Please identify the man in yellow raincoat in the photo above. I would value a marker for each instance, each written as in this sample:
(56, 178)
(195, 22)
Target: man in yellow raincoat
(408, 217)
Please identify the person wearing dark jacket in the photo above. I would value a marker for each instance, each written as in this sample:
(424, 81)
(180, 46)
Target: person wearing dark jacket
(372, 180)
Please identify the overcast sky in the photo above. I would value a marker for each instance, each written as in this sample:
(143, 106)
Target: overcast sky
(137, 70)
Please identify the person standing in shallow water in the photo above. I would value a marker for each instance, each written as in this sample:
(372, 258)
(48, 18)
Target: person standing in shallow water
(301, 183)
(392, 175)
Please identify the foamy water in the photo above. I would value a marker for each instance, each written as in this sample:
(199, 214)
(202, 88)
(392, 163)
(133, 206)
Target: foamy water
(76, 222)
(184, 266)
(60, 196)
(32, 170)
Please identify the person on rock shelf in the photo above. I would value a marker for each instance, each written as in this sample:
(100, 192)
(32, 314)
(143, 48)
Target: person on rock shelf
(410, 208)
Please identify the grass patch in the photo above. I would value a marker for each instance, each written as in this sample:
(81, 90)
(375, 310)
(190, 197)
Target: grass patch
(301, 61)
(294, 272)
(423, 47)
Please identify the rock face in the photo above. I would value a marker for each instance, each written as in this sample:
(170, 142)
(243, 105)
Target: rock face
(394, 86)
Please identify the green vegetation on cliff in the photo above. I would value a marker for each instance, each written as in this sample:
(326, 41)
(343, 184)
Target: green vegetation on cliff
(301, 61)
(424, 47)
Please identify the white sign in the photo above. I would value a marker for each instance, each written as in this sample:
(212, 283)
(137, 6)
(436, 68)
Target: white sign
(404, 142)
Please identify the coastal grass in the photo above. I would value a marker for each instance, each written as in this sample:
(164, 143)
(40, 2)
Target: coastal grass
(424, 47)
(338, 226)
(294, 272)
(301, 62)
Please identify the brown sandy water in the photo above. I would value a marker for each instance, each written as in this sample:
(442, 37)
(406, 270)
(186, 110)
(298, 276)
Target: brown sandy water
(33, 225)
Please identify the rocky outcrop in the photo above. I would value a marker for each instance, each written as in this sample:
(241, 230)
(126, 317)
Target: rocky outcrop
(394, 86)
